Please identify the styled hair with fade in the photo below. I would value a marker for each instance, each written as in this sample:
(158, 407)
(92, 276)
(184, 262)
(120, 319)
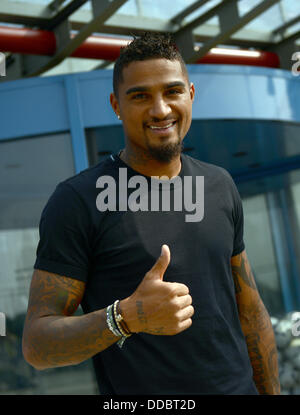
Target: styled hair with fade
(146, 46)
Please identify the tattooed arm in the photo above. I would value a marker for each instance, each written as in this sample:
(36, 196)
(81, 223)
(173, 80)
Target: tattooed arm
(52, 336)
(256, 326)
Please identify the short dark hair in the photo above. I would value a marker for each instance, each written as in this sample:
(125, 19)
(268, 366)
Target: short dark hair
(146, 46)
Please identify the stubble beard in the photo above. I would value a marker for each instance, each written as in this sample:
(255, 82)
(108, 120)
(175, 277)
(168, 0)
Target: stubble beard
(165, 153)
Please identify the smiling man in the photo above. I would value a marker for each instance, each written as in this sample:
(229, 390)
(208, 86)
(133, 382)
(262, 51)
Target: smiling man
(170, 306)
(154, 102)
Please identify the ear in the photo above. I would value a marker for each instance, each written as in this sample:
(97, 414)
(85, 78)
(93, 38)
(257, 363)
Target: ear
(115, 104)
(192, 91)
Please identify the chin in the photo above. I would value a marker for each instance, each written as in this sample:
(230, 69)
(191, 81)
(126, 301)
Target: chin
(167, 152)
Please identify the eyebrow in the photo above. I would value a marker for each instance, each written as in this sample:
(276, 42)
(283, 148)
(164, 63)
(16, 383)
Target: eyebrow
(145, 88)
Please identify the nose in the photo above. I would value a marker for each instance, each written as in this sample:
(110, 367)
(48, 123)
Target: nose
(159, 109)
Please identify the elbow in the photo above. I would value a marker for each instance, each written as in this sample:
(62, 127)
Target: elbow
(29, 355)
(31, 361)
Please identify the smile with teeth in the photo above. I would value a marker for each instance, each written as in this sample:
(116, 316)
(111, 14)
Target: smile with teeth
(165, 127)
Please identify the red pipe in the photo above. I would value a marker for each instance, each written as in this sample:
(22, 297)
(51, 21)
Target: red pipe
(42, 42)
(100, 47)
(31, 41)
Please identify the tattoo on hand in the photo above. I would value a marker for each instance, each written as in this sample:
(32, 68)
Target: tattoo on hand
(140, 312)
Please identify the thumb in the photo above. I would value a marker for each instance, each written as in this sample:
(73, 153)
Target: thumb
(160, 266)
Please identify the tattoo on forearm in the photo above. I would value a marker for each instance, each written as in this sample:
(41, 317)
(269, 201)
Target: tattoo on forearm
(256, 357)
(255, 316)
(62, 341)
(256, 326)
(273, 368)
(265, 370)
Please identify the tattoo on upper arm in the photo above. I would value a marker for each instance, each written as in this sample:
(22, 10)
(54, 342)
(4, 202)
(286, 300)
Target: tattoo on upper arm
(241, 271)
(52, 294)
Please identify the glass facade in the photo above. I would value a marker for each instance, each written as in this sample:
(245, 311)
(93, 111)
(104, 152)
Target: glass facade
(30, 169)
(261, 253)
(272, 238)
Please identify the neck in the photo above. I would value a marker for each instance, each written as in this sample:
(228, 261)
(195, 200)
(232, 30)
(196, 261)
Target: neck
(147, 166)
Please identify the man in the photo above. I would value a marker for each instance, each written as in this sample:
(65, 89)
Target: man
(190, 320)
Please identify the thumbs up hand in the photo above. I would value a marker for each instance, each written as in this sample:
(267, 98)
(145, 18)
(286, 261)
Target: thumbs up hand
(156, 306)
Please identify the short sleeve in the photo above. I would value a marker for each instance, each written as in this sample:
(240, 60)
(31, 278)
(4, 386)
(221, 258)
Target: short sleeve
(64, 245)
(238, 219)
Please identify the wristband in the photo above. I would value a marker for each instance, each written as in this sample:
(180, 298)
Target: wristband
(119, 320)
(110, 322)
(114, 326)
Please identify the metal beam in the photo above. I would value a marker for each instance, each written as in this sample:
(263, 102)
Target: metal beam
(101, 13)
(204, 17)
(64, 14)
(228, 29)
(285, 50)
(103, 65)
(180, 16)
(292, 38)
(35, 15)
(55, 5)
(280, 30)
(184, 36)
(24, 13)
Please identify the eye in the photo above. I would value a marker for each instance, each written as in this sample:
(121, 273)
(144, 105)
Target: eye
(174, 91)
(140, 95)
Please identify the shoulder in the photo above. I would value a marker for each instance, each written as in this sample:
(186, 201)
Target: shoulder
(83, 185)
(207, 169)
(89, 176)
(217, 181)
(77, 194)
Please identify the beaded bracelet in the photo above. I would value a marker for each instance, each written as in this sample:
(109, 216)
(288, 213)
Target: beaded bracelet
(113, 325)
(110, 322)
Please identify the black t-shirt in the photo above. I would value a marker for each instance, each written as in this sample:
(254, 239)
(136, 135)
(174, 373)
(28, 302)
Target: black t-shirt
(112, 251)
